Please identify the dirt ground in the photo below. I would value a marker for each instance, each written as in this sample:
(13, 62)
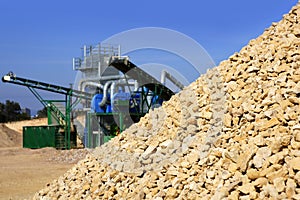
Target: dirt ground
(25, 171)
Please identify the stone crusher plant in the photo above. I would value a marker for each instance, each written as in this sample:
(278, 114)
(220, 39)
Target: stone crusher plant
(232, 134)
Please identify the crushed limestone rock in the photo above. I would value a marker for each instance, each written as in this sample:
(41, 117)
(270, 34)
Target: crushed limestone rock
(232, 134)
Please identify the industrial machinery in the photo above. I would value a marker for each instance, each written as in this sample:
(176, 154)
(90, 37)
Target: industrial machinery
(59, 118)
(123, 92)
(112, 93)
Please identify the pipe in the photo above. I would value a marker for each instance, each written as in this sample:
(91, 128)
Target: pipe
(165, 74)
(136, 85)
(163, 77)
(120, 82)
(91, 83)
(113, 87)
(112, 90)
(84, 51)
(105, 78)
(104, 99)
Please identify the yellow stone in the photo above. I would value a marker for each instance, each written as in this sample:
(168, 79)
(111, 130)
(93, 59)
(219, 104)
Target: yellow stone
(260, 182)
(277, 174)
(268, 124)
(253, 174)
(296, 78)
(227, 120)
(185, 164)
(232, 167)
(279, 184)
(206, 115)
(86, 187)
(295, 163)
(171, 192)
(244, 157)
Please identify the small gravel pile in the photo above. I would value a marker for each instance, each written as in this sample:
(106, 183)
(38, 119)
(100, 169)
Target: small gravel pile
(68, 156)
(232, 134)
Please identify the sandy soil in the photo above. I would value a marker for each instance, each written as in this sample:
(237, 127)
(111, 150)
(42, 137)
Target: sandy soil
(18, 126)
(25, 171)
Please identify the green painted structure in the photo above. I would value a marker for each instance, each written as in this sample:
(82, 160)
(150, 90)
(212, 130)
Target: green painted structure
(62, 118)
(35, 137)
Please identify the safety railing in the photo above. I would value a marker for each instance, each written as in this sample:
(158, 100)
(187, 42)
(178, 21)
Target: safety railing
(92, 55)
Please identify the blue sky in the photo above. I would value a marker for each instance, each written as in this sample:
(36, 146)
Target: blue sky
(38, 39)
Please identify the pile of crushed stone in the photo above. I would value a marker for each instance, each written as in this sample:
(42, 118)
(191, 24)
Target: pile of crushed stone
(234, 133)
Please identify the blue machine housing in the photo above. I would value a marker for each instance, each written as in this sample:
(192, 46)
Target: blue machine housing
(95, 104)
(121, 101)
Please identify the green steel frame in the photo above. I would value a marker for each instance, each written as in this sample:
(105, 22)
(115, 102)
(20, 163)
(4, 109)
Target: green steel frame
(64, 119)
(92, 139)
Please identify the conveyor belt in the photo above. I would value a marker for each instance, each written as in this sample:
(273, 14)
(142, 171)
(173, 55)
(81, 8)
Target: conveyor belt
(59, 116)
(125, 66)
(11, 78)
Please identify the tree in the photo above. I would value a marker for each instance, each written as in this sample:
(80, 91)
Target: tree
(23, 116)
(42, 113)
(2, 114)
(11, 111)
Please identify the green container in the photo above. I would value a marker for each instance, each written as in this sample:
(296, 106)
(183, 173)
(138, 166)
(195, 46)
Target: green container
(35, 137)
(39, 136)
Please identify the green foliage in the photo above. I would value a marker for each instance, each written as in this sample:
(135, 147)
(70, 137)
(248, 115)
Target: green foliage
(2, 113)
(11, 111)
(42, 113)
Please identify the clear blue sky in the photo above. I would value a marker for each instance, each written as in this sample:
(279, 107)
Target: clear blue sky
(38, 39)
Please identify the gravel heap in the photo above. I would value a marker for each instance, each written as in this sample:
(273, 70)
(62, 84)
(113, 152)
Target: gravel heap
(233, 133)
(67, 156)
